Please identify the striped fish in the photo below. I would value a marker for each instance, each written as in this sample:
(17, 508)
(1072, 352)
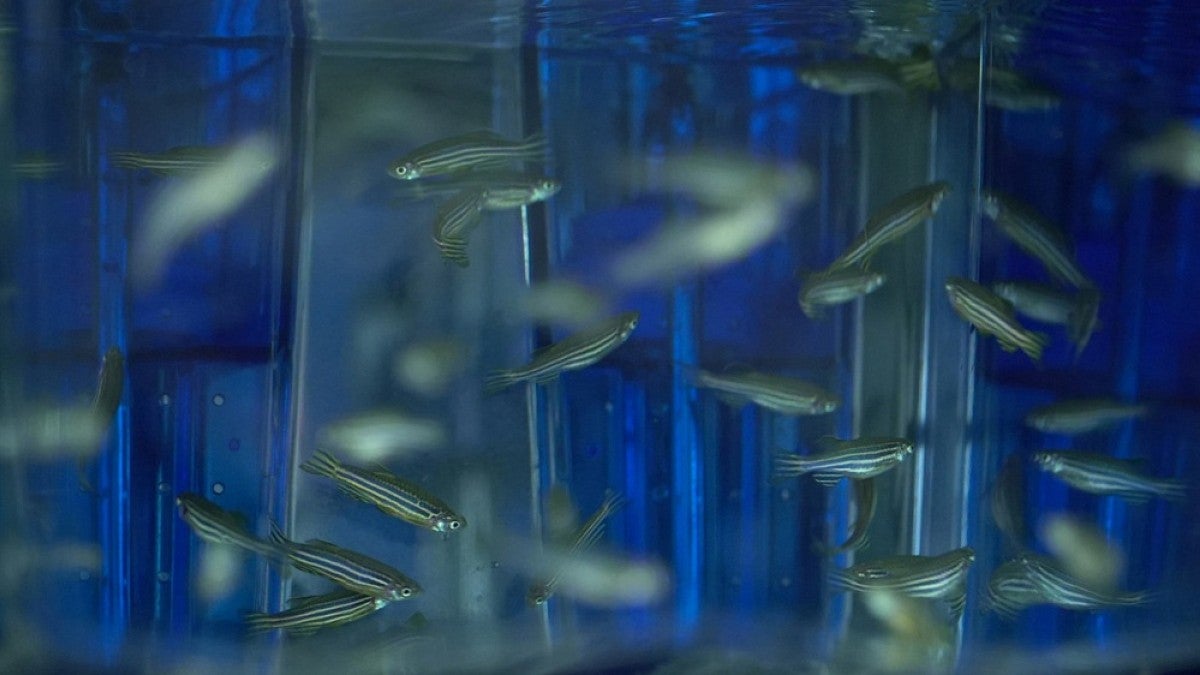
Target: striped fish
(580, 350)
(1010, 590)
(864, 511)
(918, 576)
(1101, 475)
(855, 458)
(893, 221)
(835, 287)
(177, 161)
(388, 492)
(308, 614)
(588, 534)
(1036, 236)
(1045, 303)
(216, 525)
(454, 223)
(1060, 589)
(36, 167)
(105, 402)
(785, 395)
(866, 75)
(1079, 416)
(351, 570)
(993, 315)
(476, 150)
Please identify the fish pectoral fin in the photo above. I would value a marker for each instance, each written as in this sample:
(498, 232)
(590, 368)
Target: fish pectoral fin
(827, 479)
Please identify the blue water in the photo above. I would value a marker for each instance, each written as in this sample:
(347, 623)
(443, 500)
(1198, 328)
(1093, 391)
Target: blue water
(288, 316)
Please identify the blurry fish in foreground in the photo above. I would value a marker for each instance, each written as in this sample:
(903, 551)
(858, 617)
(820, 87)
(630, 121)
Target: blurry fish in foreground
(21, 558)
(430, 367)
(784, 395)
(835, 287)
(891, 222)
(218, 526)
(1083, 550)
(579, 350)
(992, 315)
(838, 459)
(1007, 502)
(351, 570)
(1003, 88)
(177, 161)
(109, 387)
(1036, 236)
(562, 516)
(184, 209)
(470, 151)
(565, 303)
(869, 74)
(376, 436)
(454, 222)
(52, 431)
(308, 614)
(1175, 153)
(864, 511)
(916, 576)
(920, 641)
(1080, 416)
(220, 572)
(1102, 475)
(1032, 579)
(582, 540)
(1078, 312)
(748, 203)
(388, 492)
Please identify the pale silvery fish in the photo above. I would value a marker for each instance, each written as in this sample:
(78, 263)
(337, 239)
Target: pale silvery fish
(855, 458)
(1102, 475)
(388, 492)
(349, 569)
(993, 315)
(1083, 550)
(503, 189)
(785, 395)
(1174, 152)
(1079, 416)
(1078, 311)
(1007, 502)
(864, 511)
(868, 74)
(454, 222)
(579, 350)
(476, 150)
(216, 525)
(374, 436)
(834, 287)
(1036, 236)
(588, 534)
(308, 614)
(918, 576)
(896, 219)
(109, 387)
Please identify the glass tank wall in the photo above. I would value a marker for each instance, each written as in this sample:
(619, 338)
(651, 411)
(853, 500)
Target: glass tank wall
(656, 256)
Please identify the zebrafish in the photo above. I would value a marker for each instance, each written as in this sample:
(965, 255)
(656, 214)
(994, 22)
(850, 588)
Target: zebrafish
(1079, 416)
(388, 492)
(1048, 304)
(176, 161)
(510, 191)
(1010, 590)
(1036, 236)
(588, 534)
(579, 350)
(1007, 502)
(897, 218)
(349, 569)
(785, 395)
(1102, 475)
(308, 614)
(476, 150)
(993, 315)
(864, 511)
(1083, 550)
(867, 75)
(218, 526)
(1060, 589)
(36, 166)
(834, 287)
(454, 222)
(917, 576)
(854, 458)
(105, 402)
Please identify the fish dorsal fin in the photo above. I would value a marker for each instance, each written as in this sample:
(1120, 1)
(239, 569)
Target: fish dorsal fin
(826, 479)
(828, 443)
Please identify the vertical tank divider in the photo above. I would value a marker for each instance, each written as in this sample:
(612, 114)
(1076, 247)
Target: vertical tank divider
(687, 463)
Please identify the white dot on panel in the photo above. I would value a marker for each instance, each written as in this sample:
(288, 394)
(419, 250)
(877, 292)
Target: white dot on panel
(218, 399)
(218, 488)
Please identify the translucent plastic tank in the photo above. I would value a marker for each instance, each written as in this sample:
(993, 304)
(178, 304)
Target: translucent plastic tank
(214, 266)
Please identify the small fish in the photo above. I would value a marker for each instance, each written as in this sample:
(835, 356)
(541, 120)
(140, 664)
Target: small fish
(430, 367)
(1102, 475)
(176, 161)
(308, 614)
(1083, 550)
(1174, 152)
(993, 315)
(587, 536)
(834, 287)
(1080, 416)
(784, 395)
(218, 526)
(476, 150)
(510, 191)
(563, 302)
(109, 386)
(864, 511)
(1010, 590)
(36, 166)
(1036, 236)
(351, 570)
(1060, 589)
(1078, 311)
(1007, 502)
(374, 436)
(867, 75)
(854, 458)
(454, 223)
(896, 219)
(388, 492)
(579, 350)
(916, 576)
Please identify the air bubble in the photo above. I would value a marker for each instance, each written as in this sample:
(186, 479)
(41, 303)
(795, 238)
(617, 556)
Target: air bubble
(218, 399)
(164, 487)
(164, 576)
(785, 494)
(218, 488)
(785, 582)
(85, 575)
(164, 400)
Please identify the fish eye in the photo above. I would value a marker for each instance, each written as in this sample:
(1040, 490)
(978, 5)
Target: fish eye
(405, 592)
(454, 524)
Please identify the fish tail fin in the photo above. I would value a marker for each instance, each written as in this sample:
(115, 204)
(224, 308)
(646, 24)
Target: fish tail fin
(1081, 321)
(1173, 490)
(322, 464)
(277, 537)
(788, 465)
(1037, 344)
(126, 159)
(919, 74)
(453, 249)
(838, 580)
(612, 502)
(258, 622)
(535, 145)
(499, 380)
